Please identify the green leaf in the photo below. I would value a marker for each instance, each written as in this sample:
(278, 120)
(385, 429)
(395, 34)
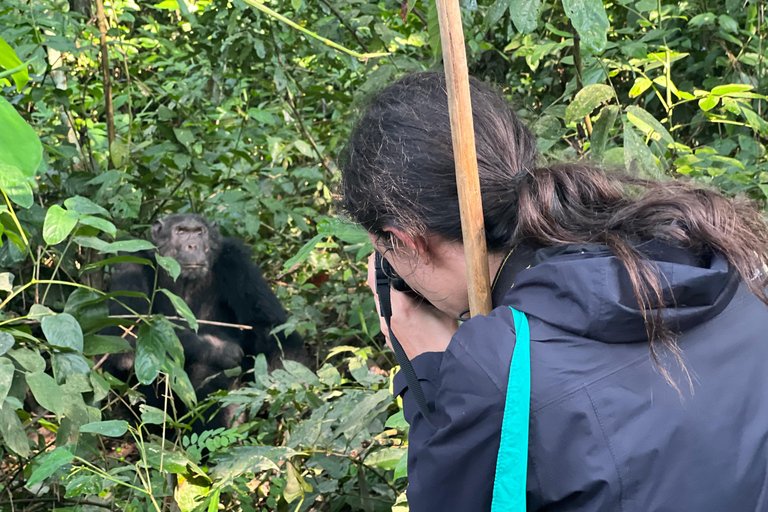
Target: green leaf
(492, 15)
(708, 103)
(648, 124)
(172, 462)
(6, 281)
(151, 415)
(67, 363)
(29, 359)
(386, 458)
(84, 206)
(170, 265)
(119, 153)
(602, 130)
(113, 261)
(525, 14)
(46, 392)
(102, 224)
(150, 353)
(725, 90)
(304, 148)
(19, 144)
(184, 136)
(97, 344)
(111, 428)
(587, 100)
(59, 223)
(7, 370)
(15, 184)
(180, 383)
(181, 308)
(12, 430)
(728, 23)
(63, 331)
(706, 18)
(433, 30)
(303, 253)
(591, 22)
(640, 86)
(295, 486)
(638, 156)
(301, 372)
(6, 342)
(401, 470)
(114, 247)
(52, 462)
(8, 61)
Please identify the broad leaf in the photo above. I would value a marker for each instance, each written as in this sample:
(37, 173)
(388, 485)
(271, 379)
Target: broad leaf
(29, 359)
(7, 369)
(14, 183)
(587, 100)
(525, 14)
(304, 252)
(591, 22)
(151, 415)
(170, 265)
(63, 331)
(68, 363)
(725, 90)
(648, 124)
(52, 462)
(114, 261)
(181, 308)
(46, 392)
(12, 430)
(638, 156)
(493, 14)
(101, 224)
(640, 86)
(9, 60)
(6, 342)
(119, 152)
(150, 353)
(84, 206)
(19, 145)
(59, 223)
(602, 130)
(386, 458)
(96, 344)
(111, 428)
(114, 247)
(6, 281)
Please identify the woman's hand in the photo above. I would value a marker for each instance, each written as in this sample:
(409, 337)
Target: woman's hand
(418, 325)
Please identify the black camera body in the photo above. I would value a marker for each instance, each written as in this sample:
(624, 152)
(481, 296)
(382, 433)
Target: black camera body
(385, 271)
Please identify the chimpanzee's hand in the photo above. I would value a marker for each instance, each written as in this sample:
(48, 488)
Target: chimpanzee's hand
(419, 326)
(223, 353)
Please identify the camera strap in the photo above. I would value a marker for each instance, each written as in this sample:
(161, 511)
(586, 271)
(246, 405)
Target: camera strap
(385, 303)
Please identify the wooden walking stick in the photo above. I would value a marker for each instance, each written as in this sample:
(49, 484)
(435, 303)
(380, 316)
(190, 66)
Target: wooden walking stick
(463, 135)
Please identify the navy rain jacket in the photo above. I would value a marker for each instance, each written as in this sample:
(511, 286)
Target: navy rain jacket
(607, 432)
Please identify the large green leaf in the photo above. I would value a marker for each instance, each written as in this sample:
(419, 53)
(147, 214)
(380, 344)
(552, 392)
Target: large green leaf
(114, 247)
(494, 14)
(433, 30)
(84, 206)
(602, 130)
(6, 342)
(7, 369)
(170, 265)
(150, 353)
(19, 145)
(111, 428)
(525, 14)
(638, 156)
(29, 359)
(587, 100)
(14, 183)
(46, 392)
(96, 344)
(63, 331)
(591, 22)
(181, 308)
(51, 463)
(101, 224)
(59, 223)
(9, 60)
(303, 253)
(13, 431)
(648, 124)
(68, 363)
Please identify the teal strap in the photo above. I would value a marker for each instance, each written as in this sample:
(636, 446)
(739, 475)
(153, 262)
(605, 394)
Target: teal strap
(512, 462)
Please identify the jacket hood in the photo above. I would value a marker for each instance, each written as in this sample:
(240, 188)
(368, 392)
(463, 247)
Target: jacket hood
(585, 289)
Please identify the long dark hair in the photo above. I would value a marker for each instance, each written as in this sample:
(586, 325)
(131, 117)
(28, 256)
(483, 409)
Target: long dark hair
(398, 171)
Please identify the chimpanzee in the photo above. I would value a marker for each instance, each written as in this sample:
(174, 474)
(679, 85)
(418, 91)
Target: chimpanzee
(220, 283)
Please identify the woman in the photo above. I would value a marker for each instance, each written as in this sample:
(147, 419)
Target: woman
(645, 302)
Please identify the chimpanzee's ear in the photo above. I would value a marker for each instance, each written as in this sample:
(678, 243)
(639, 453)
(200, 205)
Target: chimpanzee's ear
(156, 228)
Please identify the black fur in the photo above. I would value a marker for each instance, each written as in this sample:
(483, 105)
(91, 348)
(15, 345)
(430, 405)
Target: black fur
(230, 289)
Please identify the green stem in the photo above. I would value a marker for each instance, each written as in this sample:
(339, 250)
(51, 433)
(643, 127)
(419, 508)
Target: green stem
(20, 67)
(16, 221)
(90, 467)
(266, 10)
(56, 269)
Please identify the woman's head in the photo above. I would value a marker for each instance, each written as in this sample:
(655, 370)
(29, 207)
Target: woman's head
(399, 168)
(399, 183)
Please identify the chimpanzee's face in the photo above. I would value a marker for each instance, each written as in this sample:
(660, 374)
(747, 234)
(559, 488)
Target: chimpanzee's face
(190, 240)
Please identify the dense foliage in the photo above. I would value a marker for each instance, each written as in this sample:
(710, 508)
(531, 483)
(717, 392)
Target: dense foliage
(112, 115)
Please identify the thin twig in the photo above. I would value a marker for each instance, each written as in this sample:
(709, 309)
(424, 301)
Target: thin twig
(346, 24)
(208, 322)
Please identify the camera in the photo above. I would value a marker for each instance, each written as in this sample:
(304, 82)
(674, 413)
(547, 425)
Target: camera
(385, 271)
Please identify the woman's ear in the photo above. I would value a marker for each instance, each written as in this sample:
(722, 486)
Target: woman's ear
(418, 244)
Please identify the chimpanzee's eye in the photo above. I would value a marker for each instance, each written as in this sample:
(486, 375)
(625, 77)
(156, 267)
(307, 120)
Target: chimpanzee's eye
(199, 231)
